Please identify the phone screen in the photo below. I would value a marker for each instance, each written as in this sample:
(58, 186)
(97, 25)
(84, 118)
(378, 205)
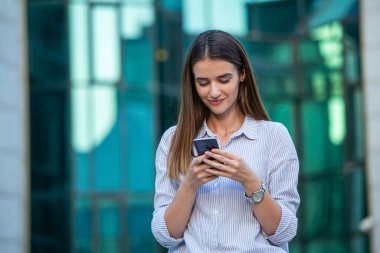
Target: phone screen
(204, 144)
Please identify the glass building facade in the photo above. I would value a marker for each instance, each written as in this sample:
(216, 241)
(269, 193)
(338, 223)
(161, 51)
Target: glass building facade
(104, 85)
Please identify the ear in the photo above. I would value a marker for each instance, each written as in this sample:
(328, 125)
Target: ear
(242, 75)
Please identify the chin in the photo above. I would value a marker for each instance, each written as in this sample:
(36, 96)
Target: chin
(218, 112)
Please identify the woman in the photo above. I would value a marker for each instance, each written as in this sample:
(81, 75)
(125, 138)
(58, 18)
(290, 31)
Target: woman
(239, 198)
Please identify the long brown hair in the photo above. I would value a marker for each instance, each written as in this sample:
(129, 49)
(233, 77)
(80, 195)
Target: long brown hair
(215, 45)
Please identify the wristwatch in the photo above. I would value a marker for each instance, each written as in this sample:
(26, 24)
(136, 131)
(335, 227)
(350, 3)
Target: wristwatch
(257, 196)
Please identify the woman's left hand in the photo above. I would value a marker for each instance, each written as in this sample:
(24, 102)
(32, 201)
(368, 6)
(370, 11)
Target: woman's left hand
(231, 166)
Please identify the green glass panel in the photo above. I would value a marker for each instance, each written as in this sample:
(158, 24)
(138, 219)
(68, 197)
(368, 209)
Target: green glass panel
(309, 52)
(355, 190)
(271, 55)
(273, 17)
(336, 246)
(283, 111)
(294, 247)
(276, 88)
(323, 204)
(319, 154)
(359, 244)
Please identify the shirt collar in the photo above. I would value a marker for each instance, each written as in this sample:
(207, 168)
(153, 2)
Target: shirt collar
(249, 129)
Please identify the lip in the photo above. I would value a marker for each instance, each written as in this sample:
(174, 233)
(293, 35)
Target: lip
(215, 101)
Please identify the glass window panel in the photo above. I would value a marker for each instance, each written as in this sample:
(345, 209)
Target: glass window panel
(79, 44)
(105, 124)
(330, 245)
(81, 141)
(294, 247)
(309, 52)
(273, 56)
(283, 111)
(171, 5)
(106, 43)
(138, 62)
(230, 16)
(275, 87)
(355, 190)
(273, 17)
(323, 204)
(109, 227)
(48, 42)
(50, 224)
(140, 138)
(356, 99)
(352, 66)
(359, 244)
(139, 230)
(137, 17)
(83, 226)
(319, 153)
(95, 137)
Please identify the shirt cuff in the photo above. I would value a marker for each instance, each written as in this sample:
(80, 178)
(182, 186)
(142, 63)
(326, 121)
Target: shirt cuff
(160, 230)
(287, 228)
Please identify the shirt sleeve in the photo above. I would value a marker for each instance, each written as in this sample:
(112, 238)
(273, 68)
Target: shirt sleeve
(282, 185)
(165, 190)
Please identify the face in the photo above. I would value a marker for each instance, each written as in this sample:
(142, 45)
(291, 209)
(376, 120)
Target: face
(217, 83)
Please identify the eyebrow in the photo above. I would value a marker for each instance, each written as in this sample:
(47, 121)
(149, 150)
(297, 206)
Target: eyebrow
(221, 76)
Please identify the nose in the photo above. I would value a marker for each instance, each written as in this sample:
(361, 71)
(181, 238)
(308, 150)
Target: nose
(215, 91)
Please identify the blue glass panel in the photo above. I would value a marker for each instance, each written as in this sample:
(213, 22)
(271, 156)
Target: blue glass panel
(80, 164)
(107, 162)
(83, 227)
(139, 231)
(106, 134)
(138, 62)
(140, 142)
(109, 226)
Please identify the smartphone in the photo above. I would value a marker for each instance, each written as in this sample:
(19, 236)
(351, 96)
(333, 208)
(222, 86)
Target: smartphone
(202, 145)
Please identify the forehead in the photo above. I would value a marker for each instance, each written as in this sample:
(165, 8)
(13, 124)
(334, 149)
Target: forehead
(210, 68)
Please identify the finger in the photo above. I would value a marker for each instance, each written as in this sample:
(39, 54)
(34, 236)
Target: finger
(198, 160)
(217, 165)
(218, 173)
(219, 158)
(224, 153)
(201, 168)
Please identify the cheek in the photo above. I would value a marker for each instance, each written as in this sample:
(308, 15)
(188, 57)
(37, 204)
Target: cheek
(234, 91)
(202, 91)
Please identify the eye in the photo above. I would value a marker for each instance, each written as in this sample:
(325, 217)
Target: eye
(224, 80)
(202, 83)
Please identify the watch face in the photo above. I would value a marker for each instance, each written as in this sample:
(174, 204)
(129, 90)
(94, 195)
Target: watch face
(257, 197)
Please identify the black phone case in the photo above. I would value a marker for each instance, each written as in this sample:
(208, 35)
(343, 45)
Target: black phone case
(204, 144)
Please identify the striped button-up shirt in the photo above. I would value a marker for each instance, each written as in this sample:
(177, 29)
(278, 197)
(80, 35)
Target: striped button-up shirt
(222, 219)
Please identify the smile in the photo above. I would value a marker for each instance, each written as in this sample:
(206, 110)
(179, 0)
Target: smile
(216, 101)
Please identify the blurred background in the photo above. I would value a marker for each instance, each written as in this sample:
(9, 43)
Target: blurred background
(87, 87)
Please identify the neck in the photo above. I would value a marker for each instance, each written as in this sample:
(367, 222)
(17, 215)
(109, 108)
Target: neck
(223, 127)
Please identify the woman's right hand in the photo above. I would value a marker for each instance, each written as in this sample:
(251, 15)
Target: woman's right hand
(197, 175)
